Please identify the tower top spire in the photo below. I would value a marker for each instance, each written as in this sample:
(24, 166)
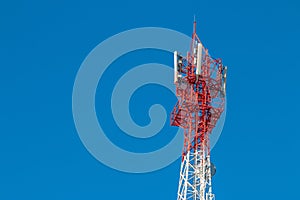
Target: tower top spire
(194, 31)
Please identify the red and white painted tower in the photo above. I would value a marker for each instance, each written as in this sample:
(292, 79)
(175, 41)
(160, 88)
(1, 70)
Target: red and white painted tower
(200, 87)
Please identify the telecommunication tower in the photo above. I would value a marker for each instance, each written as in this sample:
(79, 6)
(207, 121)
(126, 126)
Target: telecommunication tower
(200, 87)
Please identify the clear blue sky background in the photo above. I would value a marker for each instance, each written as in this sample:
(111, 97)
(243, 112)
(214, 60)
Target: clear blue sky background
(42, 44)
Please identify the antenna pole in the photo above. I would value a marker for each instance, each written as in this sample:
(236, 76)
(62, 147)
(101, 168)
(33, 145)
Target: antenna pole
(194, 31)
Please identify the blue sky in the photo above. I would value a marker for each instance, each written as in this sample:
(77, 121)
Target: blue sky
(43, 44)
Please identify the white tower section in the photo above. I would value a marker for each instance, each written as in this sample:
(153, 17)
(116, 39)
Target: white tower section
(195, 176)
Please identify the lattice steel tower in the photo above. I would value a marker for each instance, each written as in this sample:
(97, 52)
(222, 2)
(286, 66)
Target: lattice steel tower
(200, 87)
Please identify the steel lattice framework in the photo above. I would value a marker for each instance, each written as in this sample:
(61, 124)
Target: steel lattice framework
(200, 87)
